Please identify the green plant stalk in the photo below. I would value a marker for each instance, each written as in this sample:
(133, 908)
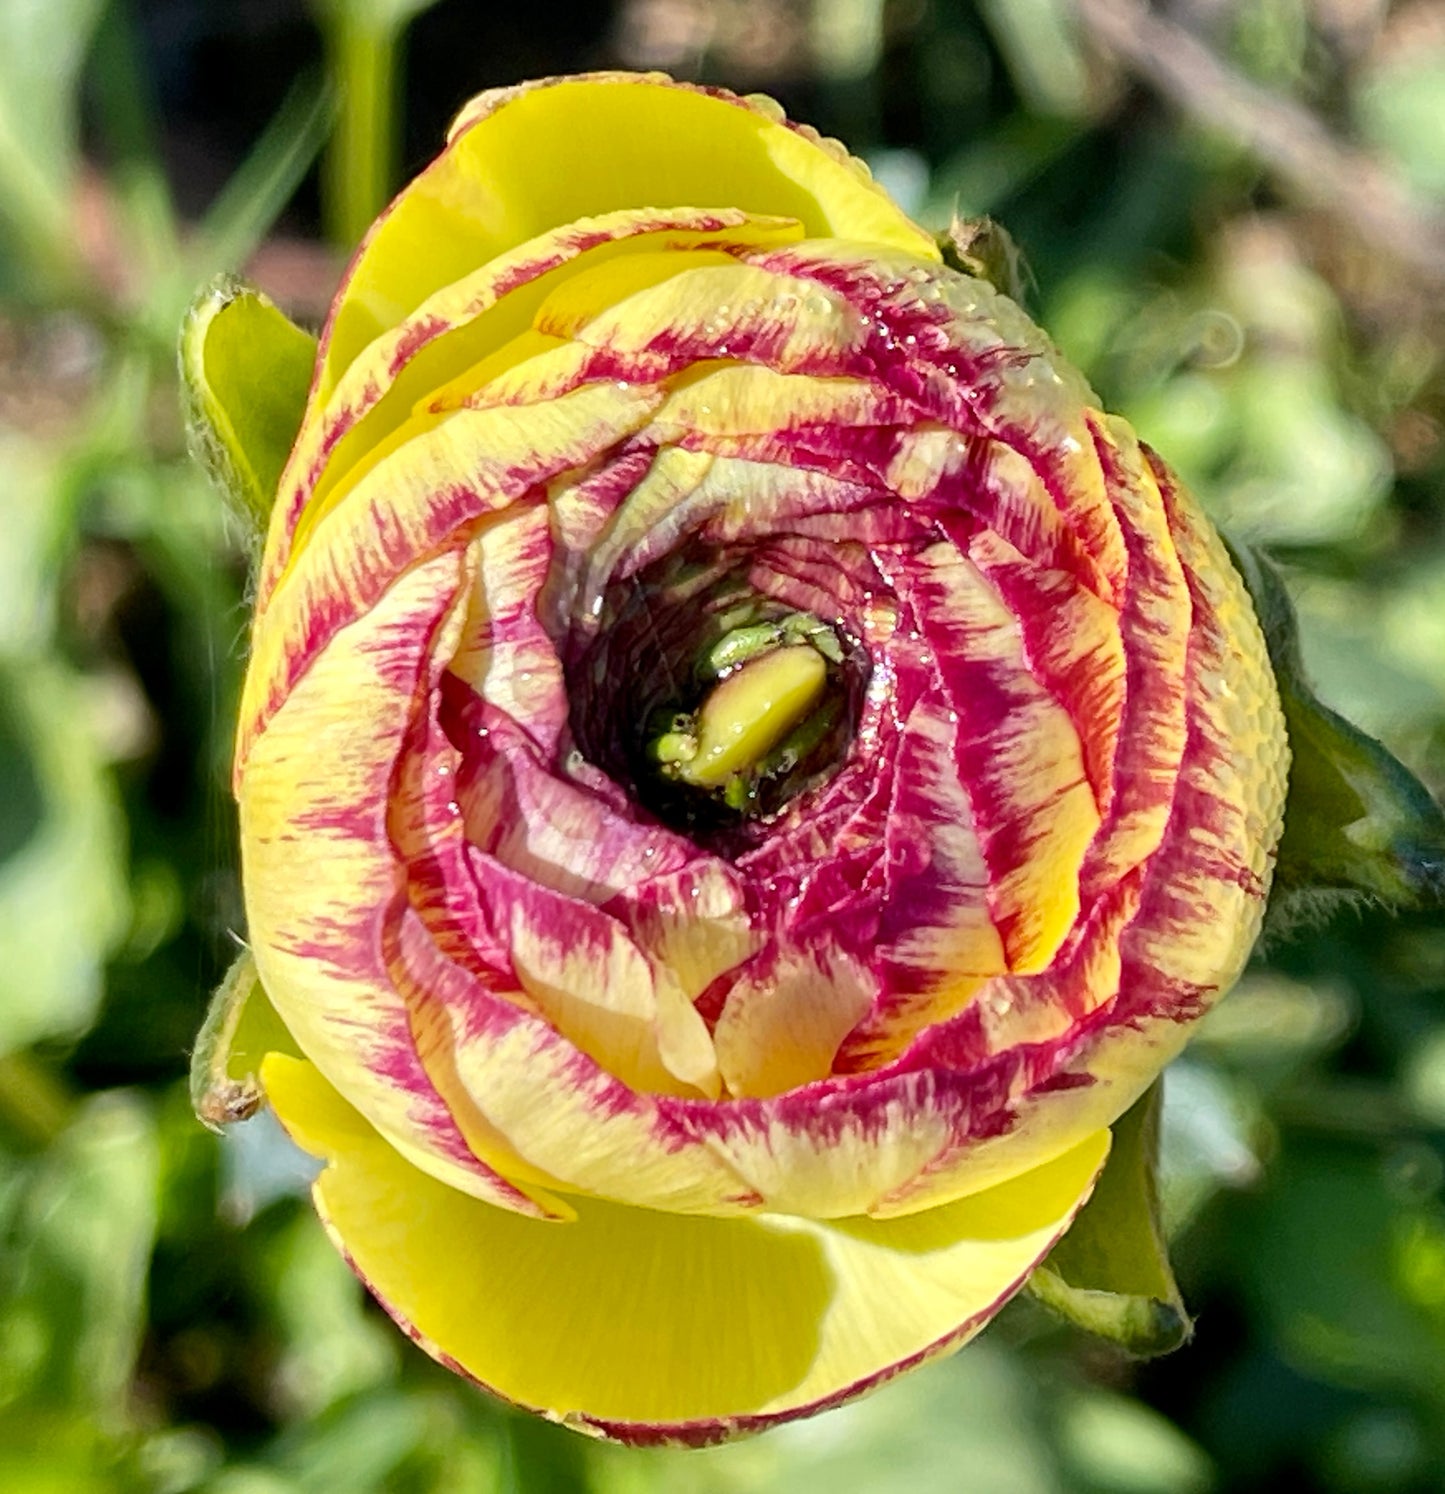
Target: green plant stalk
(358, 168)
(34, 1104)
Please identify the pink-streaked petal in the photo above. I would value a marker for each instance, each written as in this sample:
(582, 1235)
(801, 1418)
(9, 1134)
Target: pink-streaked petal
(538, 822)
(785, 1016)
(824, 1154)
(595, 987)
(589, 1130)
(492, 302)
(1073, 645)
(465, 467)
(1016, 750)
(1086, 1038)
(505, 654)
(1155, 625)
(693, 925)
(321, 880)
(1209, 881)
(936, 941)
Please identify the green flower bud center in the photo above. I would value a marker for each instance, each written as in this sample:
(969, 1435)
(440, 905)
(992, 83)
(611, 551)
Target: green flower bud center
(769, 698)
(711, 703)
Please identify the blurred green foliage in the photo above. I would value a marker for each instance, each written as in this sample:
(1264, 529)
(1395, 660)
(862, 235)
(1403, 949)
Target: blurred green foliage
(171, 1318)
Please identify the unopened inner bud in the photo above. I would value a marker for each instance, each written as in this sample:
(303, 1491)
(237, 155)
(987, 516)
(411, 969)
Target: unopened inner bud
(713, 704)
(751, 711)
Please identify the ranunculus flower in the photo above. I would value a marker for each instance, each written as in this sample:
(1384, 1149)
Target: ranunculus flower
(745, 772)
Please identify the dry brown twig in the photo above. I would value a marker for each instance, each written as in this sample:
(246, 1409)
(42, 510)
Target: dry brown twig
(1310, 161)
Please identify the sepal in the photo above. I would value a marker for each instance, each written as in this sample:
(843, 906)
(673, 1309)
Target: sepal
(1356, 819)
(1110, 1274)
(241, 1027)
(245, 372)
(988, 251)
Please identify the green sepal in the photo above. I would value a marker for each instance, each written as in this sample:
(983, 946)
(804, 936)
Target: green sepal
(241, 1027)
(1110, 1274)
(987, 251)
(1356, 820)
(245, 373)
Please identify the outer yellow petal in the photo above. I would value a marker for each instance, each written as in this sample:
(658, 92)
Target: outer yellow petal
(627, 142)
(649, 1326)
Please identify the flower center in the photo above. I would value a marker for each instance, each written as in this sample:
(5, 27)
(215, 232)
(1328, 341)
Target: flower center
(763, 716)
(712, 704)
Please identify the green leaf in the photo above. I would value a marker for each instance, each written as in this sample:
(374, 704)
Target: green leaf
(245, 373)
(241, 1026)
(63, 899)
(251, 201)
(1042, 48)
(363, 40)
(1400, 105)
(1110, 1273)
(43, 45)
(1356, 819)
(76, 1231)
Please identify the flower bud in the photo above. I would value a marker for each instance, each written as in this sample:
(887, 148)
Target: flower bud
(746, 773)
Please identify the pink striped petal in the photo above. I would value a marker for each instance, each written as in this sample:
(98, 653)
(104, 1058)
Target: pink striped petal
(322, 884)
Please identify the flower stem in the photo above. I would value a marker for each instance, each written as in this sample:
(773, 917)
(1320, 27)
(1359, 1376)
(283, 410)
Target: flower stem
(358, 169)
(34, 1105)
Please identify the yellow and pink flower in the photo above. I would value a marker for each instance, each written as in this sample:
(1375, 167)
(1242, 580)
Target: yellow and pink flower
(745, 771)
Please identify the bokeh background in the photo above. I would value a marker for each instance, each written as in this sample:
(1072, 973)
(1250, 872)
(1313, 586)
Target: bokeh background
(1232, 210)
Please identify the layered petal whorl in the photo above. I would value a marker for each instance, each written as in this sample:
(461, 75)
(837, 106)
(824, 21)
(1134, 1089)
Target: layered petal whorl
(561, 442)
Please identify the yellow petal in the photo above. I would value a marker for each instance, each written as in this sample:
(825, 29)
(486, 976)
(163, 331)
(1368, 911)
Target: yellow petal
(782, 1023)
(523, 162)
(647, 1325)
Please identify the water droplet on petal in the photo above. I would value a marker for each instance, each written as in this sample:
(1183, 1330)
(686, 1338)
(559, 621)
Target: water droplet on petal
(769, 108)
